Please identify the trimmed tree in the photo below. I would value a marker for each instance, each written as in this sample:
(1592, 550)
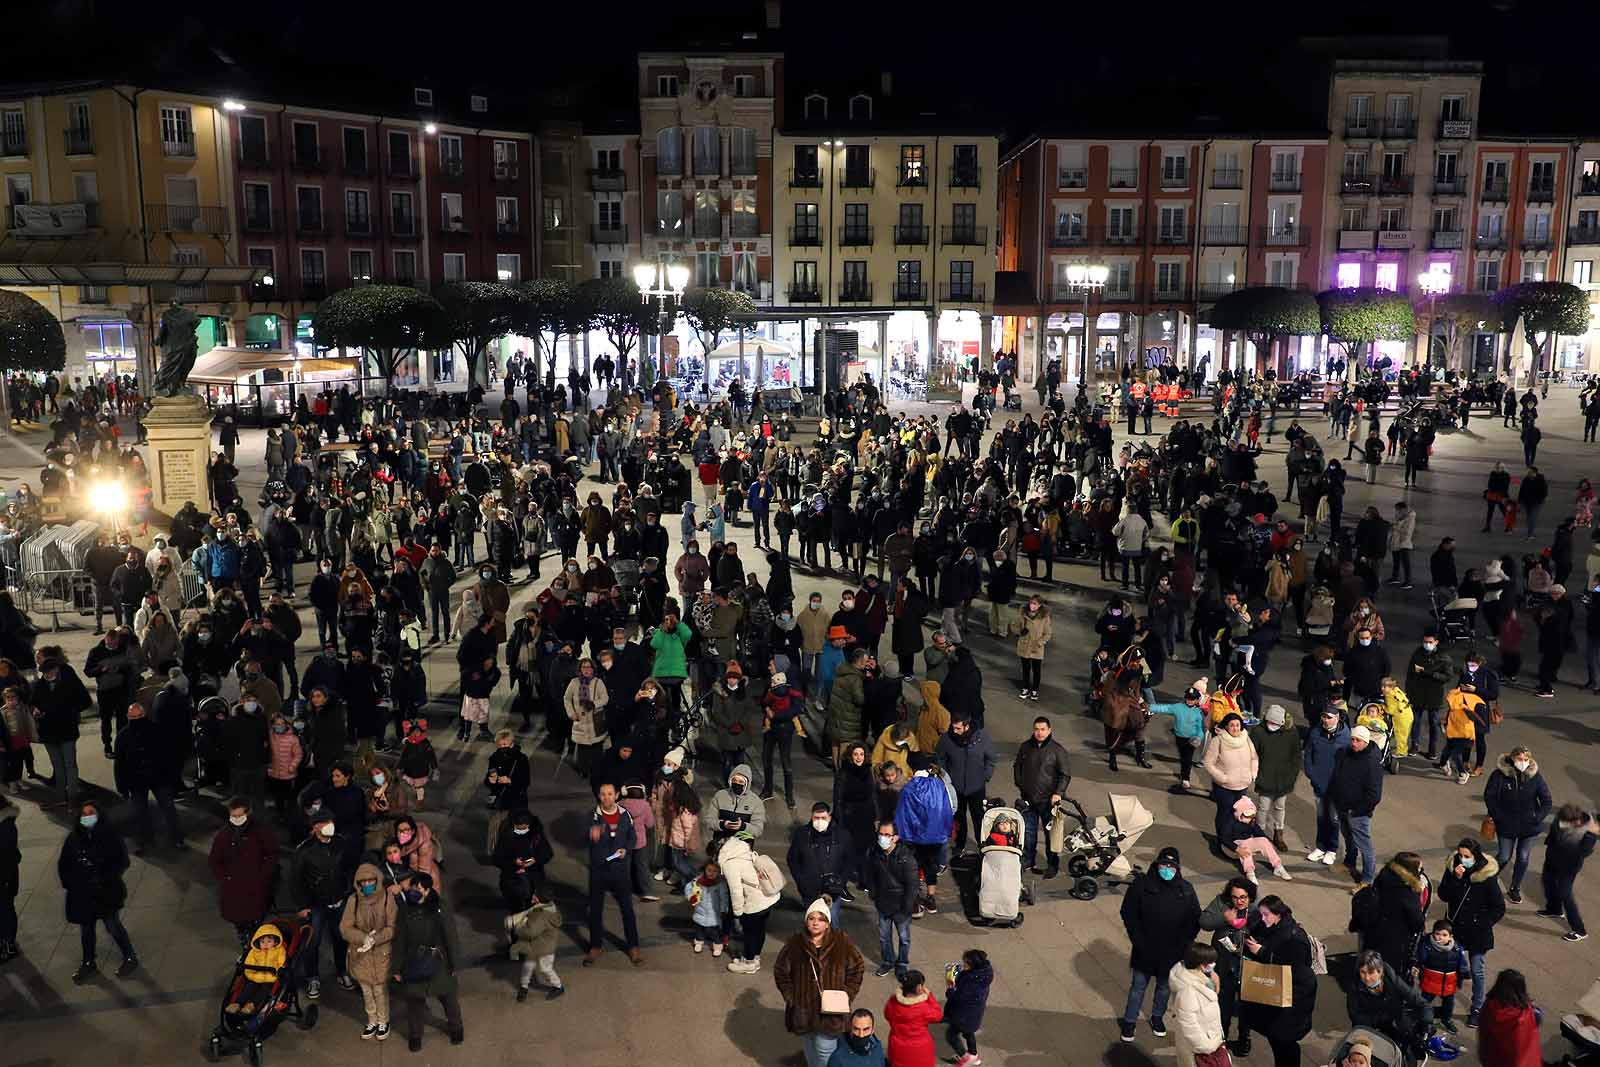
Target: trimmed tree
(30, 340)
(478, 314)
(388, 321)
(549, 306)
(1547, 310)
(1264, 313)
(1458, 316)
(614, 306)
(712, 313)
(1356, 318)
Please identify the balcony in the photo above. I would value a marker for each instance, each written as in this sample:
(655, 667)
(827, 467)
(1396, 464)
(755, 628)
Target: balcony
(1174, 235)
(746, 224)
(507, 227)
(607, 180)
(1118, 235)
(307, 222)
(78, 142)
(453, 167)
(858, 178)
(910, 292)
(1489, 241)
(1289, 236)
(1224, 236)
(314, 288)
(805, 237)
(1357, 185)
(1069, 237)
(261, 292)
(1541, 193)
(262, 220)
(403, 226)
(855, 292)
(1536, 242)
(1227, 178)
(960, 236)
(606, 234)
(1176, 180)
(308, 159)
(400, 167)
(708, 228)
(1356, 240)
(506, 171)
(1119, 296)
(359, 226)
(962, 292)
(356, 167)
(742, 167)
(1449, 186)
(1072, 178)
(182, 148)
(1122, 178)
(907, 235)
(1284, 183)
(1455, 129)
(91, 218)
(1214, 292)
(803, 293)
(855, 237)
(1364, 128)
(805, 178)
(1394, 239)
(1394, 184)
(911, 177)
(1583, 235)
(186, 218)
(1399, 129)
(1169, 292)
(964, 178)
(455, 224)
(1496, 189)
(1446, 240)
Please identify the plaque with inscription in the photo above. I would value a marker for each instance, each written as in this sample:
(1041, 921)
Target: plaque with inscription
(179, 478)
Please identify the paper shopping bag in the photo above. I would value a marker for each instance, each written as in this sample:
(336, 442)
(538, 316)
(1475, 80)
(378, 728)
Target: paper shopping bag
(1269, 984)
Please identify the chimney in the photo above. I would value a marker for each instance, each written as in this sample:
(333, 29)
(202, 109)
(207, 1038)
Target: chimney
(885, 83)
(774, 14)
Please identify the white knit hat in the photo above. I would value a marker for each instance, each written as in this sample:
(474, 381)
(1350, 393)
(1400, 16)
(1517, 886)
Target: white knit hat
(820, 907)
(676, 756)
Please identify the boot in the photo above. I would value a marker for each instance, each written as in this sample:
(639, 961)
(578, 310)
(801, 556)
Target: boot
(1139, 756)
(1111, 761)
(1278, 842)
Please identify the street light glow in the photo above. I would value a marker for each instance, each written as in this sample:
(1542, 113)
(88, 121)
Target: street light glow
(677, 277)
(232, 105)
(430, 128)
(644, 276)
(108, 498)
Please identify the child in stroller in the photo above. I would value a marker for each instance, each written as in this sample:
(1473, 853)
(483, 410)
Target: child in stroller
(265, 991)
(259, 971)
(1001, 890)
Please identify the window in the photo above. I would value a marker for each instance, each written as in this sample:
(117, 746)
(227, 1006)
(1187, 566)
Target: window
(177, 130)
(745, 279)
(1542, 175)
(805, 222)
(746, 223)
(308, 207)
(1589, 177)
(857, 167)
(1453, 108)
(1280, 218)
(669, 151)
(508, 267)
(1169, 278)
(1532, 270)
(555, 213)
(450, 157)
(1070, 222)
(1120, 280)
(80, 134)
(1348, 276)
(1225, 173)
(1444, 166)
(964, 166)
(1487, 275)
(1355, 165)
(1071, 168)
(1582, 271)
(861, 106)
(961, 279)
(708, 269)
(479, 104)
(742, 151)
(253, 140)
(1495, 172)
(611, 268)
(1394, 165)
(911, 170)
(257, 206)
(405, 267)
(853, 283)
(455, 266)
(744, 85)
(401, 214)
(1399, 113)
(669, 213)
(307, 150)
(422, 97)
(1286, 169)
(805, 276)
(1537, 227)
(357, 210)
(707, 214)
(360, 267)
(908, 280)
(707, 151)
(505, 159)
(805, 162)
(313, 266)
(856, 226)
(1124, 171)
(1392, 218)
(816, 106)
(111, 339)
(666, 85)
(1175, 168)
(1386, 276)
(450, 213)
(355, 150)
(1358, 115)
(399, 153)
(608, 160)
(265, 261)
(1281, 270)
(1446, 219)
(507, 215)
(964, 222)
(608, 214)
(1492, 225)
(1119, 223)
(1353, 218)
(1174, 223)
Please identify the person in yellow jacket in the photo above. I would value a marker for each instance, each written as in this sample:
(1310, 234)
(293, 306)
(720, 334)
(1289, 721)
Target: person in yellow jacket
(1400, 715)
(1467, 714)
(266, 957)
(895, 745)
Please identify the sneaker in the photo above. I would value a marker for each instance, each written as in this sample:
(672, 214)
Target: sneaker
(85, 971)
(1127, 1030)
(1573, 935)
(661, 876)
(1033, 694)
(699, 946)
(1022, 694)
(1328, 858)
(1463, 778)
(522, 995)
(383, 1032)
(554, 993)
(649, 898)
(1315, 855)
(346, 983)
(370, 1031)
(884, 969)
(744, 966)
(1472, 1018)
(1158, 1026)
(845, 894)
(1514, 896)
(313, 989)
(1251, 878)
(128, 966)
(1279, 872)
(1546, 694)
(1546, 914)
(414, 1044)
(716, 948)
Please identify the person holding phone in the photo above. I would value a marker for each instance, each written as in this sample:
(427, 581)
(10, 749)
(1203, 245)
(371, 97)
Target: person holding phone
(611, 835)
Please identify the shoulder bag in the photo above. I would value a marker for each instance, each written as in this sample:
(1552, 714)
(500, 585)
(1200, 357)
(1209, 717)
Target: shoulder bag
(834, 1001)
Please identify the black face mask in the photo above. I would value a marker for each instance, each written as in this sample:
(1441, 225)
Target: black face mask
(859, 1045)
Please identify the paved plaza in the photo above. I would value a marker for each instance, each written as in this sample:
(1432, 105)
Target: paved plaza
(1061, 978)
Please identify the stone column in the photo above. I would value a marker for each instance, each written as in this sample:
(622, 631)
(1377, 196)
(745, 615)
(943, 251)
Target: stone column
(179, 429)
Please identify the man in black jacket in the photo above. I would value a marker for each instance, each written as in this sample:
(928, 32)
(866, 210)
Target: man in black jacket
(1041, 775)
(818, 858)
(479, 674)
(1381, 1000)
(1366, 664)
(129, 584)
(144, 765)
(968, 758)
(114, 665)
(610, 839)
(318, 885)
(1161, 914)
(324, 597)
(891, 879)
(59, 699)
(103, 561)
(1355, 790)
(246, 752)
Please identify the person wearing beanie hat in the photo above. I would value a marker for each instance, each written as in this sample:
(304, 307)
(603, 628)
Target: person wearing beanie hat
(1247, 838)
(1358, 1054)
(733, 720)
(1161, 915)
(1354, 790)
(1279, 759)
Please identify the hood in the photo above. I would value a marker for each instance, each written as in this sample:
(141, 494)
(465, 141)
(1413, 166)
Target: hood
(370, 871)
(1405, 876)
(1493, 572)
(267, 930)
(1505, 767)
(732, 849)
(1490, 868)
(915, 998)
(742, 770)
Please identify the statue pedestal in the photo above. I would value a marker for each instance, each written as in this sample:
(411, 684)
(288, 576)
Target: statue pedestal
(179, 431)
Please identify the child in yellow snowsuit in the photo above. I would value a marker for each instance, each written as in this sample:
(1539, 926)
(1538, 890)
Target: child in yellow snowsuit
(261, 966)
(1399, 707)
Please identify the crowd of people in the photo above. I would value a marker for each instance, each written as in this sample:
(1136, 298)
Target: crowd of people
(660, 673)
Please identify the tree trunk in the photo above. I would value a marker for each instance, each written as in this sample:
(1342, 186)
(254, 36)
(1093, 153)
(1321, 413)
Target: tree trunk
(5, 404)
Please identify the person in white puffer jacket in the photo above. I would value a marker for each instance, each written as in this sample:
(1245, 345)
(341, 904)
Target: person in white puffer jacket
(750, 904)
(1197, 1015)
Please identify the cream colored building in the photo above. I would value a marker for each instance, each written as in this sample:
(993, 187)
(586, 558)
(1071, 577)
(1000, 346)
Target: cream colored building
(889, 232)
(1582, 257)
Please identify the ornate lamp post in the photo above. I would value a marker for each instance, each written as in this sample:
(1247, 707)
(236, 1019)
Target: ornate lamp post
(1087, 278)
(1433, 282)
(661, 284)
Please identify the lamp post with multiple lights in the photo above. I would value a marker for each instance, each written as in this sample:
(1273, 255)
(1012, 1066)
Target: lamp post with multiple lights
(1433, 282)
(661, 284)
(1087, 278)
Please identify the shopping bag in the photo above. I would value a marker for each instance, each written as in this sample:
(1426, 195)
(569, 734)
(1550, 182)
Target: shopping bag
(1268, 984)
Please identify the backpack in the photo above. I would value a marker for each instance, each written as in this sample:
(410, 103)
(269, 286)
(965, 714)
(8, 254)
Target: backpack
(1365, 909)
(769, 879)
(1319, 954)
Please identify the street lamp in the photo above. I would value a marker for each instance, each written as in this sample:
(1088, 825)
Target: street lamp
(661, 284)
(1433, 282)
(1087, 278)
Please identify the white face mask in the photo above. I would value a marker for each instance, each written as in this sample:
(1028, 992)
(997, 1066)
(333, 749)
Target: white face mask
(1522, 766)
(238, 820)
(821, 825)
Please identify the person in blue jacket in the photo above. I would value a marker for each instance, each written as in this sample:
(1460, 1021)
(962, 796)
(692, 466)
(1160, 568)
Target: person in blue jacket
(923, 819)
(860, 1047)
(1188, 728)
(224, 559)
(965, 1001)
(1320, 751)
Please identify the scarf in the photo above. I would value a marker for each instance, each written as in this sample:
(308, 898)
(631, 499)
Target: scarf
(584, 685)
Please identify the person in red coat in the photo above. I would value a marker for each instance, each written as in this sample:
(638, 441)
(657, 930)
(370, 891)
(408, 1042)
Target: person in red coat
(909, 1013)
(1508, 1028)
(244, 861)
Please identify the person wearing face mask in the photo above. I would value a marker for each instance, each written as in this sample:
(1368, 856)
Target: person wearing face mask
(1366, 664)
(823, 957)
(813, 623)
(324, 597)
(733, 720)
(1161, 916)
(958, 584)
(244, 864)
(244, 742)
(892, 881)
(91, 867)
(318, 884)
(1274, 937)
(1226, 917)
(1428, 673)
(1196, 987)
(368, 928)
(143, 767)
(1471, 890)
(1278, 771)
(1519, 802)
(423, 958)
(494, 599)
(1383, 1001)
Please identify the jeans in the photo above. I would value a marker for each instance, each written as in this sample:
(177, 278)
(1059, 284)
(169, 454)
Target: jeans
(139, 800)
(1034, 817)
(1357, 833)
(114, 927)
(1531, 512)
(1428, 717)
(762, 520)
(64, 764)
(1224, 799)
(819, 1048)
(1274, 815)
(1558, 896)
(900, 927)
(1402, 562)
(969, 804)
(325, 926)
(1136, 988)
(327, 628)
(1524, 848)
(613, 880)
(1480, 978)
(439, 613)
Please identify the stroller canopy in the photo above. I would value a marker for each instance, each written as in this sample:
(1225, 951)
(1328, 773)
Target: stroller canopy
(994, 815)
(1385, 1053)
(1131, 819)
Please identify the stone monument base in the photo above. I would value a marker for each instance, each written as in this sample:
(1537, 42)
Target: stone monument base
(179, 431)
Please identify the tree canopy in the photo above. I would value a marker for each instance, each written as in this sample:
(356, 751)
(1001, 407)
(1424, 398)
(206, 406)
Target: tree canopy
(478, 314)
(614, 306)
(1265, 311)
(550, 305)
(713, 312)
(1547, 310)
(30, 337)
(1366, 315)
(387, 320)
(1458, 316)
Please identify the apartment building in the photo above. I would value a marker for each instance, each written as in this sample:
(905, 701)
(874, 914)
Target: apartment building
(613, 211)
(562, 189)
(115, 203)
(1581, 252)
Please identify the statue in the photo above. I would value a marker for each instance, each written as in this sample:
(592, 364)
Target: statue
(179, 350)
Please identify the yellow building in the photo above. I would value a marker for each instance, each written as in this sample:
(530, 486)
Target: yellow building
(884, 230)
(116, 203)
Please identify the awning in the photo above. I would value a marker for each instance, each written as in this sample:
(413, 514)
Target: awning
(135, 274)
(772, 349)
(225, 365)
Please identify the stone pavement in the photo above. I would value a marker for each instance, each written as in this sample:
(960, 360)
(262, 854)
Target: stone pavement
(1061, 978)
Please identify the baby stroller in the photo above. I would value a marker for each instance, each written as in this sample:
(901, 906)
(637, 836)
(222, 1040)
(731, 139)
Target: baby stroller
(627, 572)
(1099, 848)
(238, 1032)
(1454, 614)
(1319, 612)
(1385, 1053)
(1001, 890)
(1582, 1028)
(1376, 718)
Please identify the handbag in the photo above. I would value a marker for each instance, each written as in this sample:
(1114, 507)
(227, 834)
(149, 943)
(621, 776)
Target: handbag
(1487, 830)
(834, 1001)
(1497, 714)
(1217, 1057)
(1268, 984)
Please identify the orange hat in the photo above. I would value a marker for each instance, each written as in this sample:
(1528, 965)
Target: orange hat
(733, 668)
(838, 633)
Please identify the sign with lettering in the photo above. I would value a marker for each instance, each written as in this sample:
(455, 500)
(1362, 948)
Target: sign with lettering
(180, 480)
